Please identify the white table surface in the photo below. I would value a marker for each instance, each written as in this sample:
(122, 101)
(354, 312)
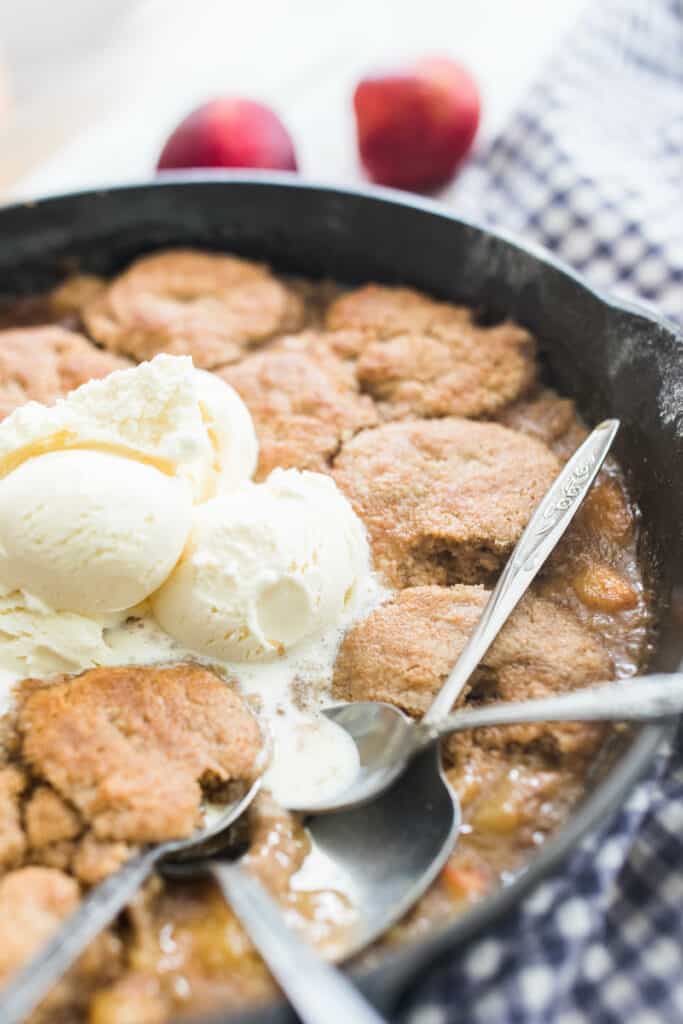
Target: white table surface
(95, 106)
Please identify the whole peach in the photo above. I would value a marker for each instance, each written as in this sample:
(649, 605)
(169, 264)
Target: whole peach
(230, 132)
(416, 126)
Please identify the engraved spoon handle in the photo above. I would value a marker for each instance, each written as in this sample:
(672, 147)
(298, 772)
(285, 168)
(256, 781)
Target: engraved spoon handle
(545, 528)
(319, 993)
(640, 699)
(32, 983)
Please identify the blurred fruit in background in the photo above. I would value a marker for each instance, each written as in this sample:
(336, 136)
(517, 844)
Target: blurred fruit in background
(416, 126)
(230, 132)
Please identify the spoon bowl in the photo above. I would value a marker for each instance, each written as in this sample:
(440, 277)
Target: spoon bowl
(367, 853)
(383, 737)
(382, 869)
(391, 849)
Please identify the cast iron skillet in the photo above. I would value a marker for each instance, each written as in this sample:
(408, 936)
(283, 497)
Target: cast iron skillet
(615, 359)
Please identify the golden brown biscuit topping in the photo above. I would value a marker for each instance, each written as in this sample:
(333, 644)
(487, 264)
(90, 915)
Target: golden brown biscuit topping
(130, 747)
(384, 311)
(42, 364)
(420, 357)
(304, 404)
(444, 501)
(403, 652)
(185, 302)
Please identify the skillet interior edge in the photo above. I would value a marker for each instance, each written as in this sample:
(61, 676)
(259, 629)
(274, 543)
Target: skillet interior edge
(614, 359)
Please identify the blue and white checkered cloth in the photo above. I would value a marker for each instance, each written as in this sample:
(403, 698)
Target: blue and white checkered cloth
(592, 168)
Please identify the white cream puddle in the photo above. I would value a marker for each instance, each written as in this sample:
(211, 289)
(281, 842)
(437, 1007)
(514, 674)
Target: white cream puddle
(313, 759)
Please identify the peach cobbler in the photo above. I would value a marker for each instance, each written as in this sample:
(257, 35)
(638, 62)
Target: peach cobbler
(315, 488)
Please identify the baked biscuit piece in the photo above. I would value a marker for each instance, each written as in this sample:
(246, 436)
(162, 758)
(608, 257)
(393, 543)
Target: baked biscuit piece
(42, 364)
(70, 298)
(12, 838)
(94, 860)
(420, 357)
(549, 418)
(33, 901)
(129, 747)
(206, 305)
(444, 501)
(385, 311)
(304, 402)
(458, 370)
(49, 819)
(403, 652)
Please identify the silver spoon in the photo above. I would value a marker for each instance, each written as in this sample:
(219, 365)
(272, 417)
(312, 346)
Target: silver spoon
(377, 863)
(381, 732)
(638, 699)
(371, 857)
(385, 867)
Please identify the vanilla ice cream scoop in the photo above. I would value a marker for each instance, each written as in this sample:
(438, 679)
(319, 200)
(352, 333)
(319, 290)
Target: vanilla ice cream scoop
(165, 413)
(231, 433)
(35, 640)
(90, 532)
(265, 567)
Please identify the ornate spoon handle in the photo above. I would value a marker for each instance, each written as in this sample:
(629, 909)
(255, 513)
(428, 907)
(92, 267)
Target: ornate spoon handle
(545, 528)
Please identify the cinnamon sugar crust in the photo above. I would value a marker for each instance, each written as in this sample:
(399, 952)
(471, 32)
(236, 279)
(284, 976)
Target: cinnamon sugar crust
(444, 501)
(43, 364)
(130, 747)
(304, 402)
(420, 357)
(186, 302)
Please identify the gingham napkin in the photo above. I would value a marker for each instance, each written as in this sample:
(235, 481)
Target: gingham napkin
(592, 168)
(601, 941)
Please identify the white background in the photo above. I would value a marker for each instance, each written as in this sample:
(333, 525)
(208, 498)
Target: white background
(95, 86)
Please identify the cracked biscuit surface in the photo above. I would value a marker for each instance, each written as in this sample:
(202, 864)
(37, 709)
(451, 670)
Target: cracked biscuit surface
(129, 747)
(304, 403)
(420, 357)
(459, 371)
(384, 311)
(185, 302)
(444, 501)
(42, 364)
